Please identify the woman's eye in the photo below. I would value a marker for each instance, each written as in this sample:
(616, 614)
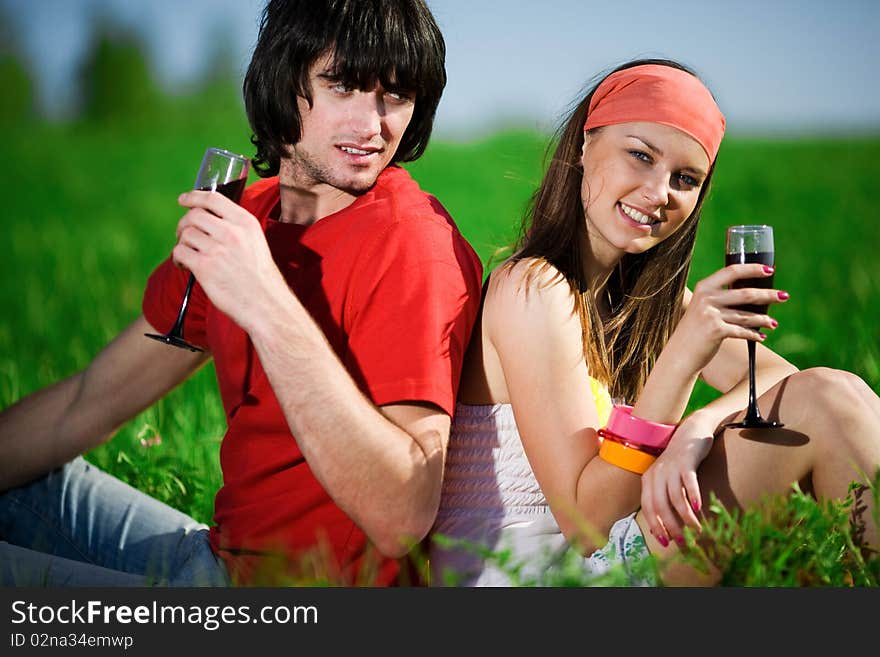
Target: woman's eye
(690, 181)
(640, 155)
(341, 87)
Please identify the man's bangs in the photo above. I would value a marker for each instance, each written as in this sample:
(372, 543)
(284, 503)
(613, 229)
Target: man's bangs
(361, 65)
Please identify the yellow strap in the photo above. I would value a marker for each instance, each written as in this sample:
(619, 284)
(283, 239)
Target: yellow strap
(602, 399)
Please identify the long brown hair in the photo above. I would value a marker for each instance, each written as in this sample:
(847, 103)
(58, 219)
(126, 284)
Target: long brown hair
(645, 291)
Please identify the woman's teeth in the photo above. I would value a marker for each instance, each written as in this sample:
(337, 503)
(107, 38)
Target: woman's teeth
(635, 215)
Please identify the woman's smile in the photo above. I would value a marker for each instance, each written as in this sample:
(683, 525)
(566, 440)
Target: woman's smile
(638, 218)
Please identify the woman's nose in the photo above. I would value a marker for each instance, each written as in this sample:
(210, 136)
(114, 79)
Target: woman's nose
(656, 191)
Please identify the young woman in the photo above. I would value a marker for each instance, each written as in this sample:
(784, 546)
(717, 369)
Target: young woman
(593, 306)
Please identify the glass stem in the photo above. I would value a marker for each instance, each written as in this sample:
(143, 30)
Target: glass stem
(752, 413)
(177, 329)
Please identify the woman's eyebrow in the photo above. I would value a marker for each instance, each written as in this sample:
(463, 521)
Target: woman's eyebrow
(651, 147)
(648, 144)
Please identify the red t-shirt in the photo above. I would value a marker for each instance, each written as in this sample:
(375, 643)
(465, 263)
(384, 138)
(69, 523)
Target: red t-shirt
(395, 288)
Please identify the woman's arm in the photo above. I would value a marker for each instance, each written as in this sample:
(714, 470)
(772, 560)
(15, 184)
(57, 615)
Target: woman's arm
(709, 341)
(670, 489)
(536, 334)
(533, 327)
(728, 373)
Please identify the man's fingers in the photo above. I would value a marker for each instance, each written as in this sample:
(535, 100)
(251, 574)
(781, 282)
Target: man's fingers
(201, 220)
(213, 202)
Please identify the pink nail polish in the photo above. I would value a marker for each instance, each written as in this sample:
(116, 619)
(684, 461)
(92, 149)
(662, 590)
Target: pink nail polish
(663, 541)
(783, 296)
(768, 269)
(680, 540)
(696, 506)
(774, 323)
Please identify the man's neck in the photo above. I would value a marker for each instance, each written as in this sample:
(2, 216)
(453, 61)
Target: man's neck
(306, 206)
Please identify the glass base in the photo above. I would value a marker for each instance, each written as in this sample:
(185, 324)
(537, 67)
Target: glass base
(754, 424)
(174, 341)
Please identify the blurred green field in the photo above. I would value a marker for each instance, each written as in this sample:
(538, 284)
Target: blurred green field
(91, 209)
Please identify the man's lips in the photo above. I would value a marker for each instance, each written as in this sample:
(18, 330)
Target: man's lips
(359, 150)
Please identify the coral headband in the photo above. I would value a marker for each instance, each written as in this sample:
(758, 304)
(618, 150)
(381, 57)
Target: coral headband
(659, 94)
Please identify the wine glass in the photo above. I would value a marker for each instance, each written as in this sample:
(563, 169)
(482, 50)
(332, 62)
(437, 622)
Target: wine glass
(748, 244)
(226, 173)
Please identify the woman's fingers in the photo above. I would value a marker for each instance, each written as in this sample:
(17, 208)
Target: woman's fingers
(662, 518)
(672, 509)
(727, 276)
(670, 504)
(750, 296)
(747, 320)
(738, 308)
(684, 513)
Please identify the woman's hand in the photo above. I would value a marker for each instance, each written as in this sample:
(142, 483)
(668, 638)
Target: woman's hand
(670, 491)
(713, 313)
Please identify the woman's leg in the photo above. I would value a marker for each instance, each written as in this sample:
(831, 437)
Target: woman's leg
(831, 438)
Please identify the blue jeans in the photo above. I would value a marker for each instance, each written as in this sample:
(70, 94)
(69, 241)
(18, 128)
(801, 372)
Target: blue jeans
(79, 526)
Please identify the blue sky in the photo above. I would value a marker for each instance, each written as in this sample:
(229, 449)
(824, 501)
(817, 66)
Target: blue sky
(775, 66)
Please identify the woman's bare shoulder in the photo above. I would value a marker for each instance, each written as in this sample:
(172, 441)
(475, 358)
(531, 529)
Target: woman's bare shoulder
(527, 283)
(529, 300)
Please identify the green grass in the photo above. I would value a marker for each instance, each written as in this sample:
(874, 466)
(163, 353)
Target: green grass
(91, 209)
(790, 541)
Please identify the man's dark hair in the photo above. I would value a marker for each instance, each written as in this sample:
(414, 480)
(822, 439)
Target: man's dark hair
(394, 42)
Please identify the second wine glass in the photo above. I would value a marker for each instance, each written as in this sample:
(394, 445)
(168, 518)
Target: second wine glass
(220, 171)
(751, 244)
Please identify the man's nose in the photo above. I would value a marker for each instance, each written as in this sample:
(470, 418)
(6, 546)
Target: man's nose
(366, 115)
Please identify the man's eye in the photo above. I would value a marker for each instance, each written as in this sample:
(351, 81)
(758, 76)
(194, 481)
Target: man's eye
(401, 96)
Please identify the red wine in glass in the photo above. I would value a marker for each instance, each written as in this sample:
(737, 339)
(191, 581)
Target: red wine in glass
(231, 190)
(750, 244)
(224, 172)
(765, 282)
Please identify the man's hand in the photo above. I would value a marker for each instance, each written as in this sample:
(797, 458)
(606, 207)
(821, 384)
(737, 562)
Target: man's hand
(224, 246)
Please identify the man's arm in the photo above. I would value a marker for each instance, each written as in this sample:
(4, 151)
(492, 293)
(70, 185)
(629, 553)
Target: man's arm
(383, 468)
(51, 426)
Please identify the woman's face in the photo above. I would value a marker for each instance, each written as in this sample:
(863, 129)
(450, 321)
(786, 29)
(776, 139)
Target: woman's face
(641, 182)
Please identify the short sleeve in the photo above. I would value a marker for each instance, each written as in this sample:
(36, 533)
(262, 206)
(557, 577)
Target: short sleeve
(162, 299)
(411, 313)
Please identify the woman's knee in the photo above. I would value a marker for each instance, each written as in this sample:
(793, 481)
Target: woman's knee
(828, 390)
(841, 419)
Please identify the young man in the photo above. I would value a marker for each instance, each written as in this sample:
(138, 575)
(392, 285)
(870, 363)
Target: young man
(336, 300)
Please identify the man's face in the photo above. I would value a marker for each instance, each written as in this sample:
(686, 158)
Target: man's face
(348, 135)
